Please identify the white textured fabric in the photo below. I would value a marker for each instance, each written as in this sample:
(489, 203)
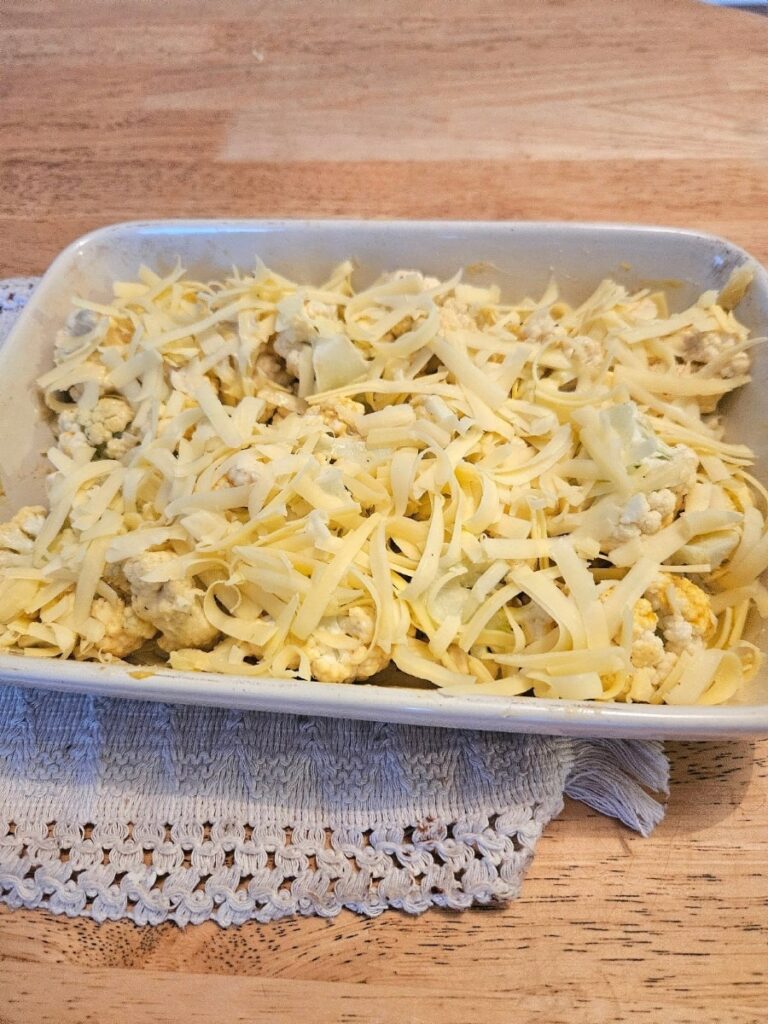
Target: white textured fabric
(125, 809)
(14, 292)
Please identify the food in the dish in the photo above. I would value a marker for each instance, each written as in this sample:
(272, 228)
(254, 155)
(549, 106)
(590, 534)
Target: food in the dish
(260, 477)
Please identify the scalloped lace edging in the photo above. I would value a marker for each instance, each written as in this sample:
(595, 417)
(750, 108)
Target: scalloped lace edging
(14, 294)
(232, 873)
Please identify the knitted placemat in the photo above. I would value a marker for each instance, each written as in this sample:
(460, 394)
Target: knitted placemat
(152, 812)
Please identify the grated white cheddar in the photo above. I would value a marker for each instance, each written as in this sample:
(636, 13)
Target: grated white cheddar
(259, 477)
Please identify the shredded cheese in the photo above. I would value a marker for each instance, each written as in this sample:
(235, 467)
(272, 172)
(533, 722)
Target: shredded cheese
(260, 477)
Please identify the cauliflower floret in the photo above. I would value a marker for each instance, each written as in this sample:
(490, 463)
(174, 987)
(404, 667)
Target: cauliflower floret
(649, 459)
(682, 463)
(705, 348)
(424, 281)
(18, 535)
(653, 656)
(644, 618)
(174, 607)
(80, 513)
(299, 322)
(664, 666)
(641, 688)
(244, 469)
(664, 503)
(540, 326)
(679, 634)
(312, 340)
(340, 650)
(108, 417)
(645, 309)
(71, 439)
(124, 631)
(647, 678)
(118, 447)
(672, 594)
(685, 615)
(647, 648)
(645, 514)
(643, 451)
(340, 414)
(585, 352)
(187, 379)
(455, 316)
(291, 349)
(101, 426)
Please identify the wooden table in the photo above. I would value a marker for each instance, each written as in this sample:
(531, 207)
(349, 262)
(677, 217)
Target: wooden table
(590, 110)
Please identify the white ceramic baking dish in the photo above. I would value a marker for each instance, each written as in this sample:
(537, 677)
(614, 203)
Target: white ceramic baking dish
(519, 255)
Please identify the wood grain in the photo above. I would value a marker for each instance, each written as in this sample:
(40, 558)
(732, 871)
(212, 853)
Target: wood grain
(121, 110)
(579, 110)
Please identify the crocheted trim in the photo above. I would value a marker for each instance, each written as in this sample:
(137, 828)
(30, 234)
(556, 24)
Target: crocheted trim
(191, 872)
(15, 292)
(14, 295)
(228, 872)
